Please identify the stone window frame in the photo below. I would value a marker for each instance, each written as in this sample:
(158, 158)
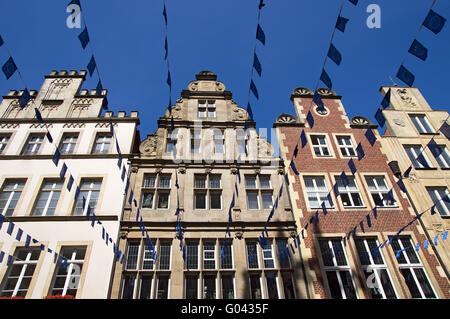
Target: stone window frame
(64, 135)
(208, 190)
(207, 106)
(28, 140)
(156, 189)
(412, 148)
(420, 128)
(259, 190)
(397, 204)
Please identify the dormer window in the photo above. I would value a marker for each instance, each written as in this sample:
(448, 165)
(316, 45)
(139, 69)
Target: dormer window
(206, 108)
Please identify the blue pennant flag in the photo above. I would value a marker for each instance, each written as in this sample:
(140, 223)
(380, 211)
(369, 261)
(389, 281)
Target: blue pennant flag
(10, 228)
(386, 100)
(380, 118)
(56, 157)
(169, 79)
(62, 173)
(77, 193)
(434, 22)
(286, 178)
(324, 207)
(341, 23)
(334, 54)
(401, 185)
(130, 199)
(407, 172)
(2, 219)
(354, 2)
(24, 98)
(418, 50)
(296, 151)
(444, 235)
(172, 126)
(369, 222)
(236, 189)
(260, 35)
(91, 66)
(370, 137)
(1, 41)
(316, 98)
(406, 76)
(361, 224)
(352, 166)
(344, 179)
(257, 64)
(84, 38)
(99, 88)
(70, 183)
(250, 112)
(310, 119)
(77, 2)
(165, 14)
(435, 149)
(360, 152)
(336, 189)
(9, 67)
(326, 80)
(303, 138)
(49, 137)
(294, 169)
(166, 47)
(253, 89)
(124, 171)
(38, 115)
(261, 4)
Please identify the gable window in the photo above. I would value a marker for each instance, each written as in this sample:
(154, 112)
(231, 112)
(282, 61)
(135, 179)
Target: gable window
(421, 123)
(66, 281)
(90, 191)
(373, 264)
(68, 143)
(33, 144)
(206, 108)
(379, 190)
(12, 189)
(320, 146)
(337, 270)
(20, 273)
(349, 192)
(441, 198)
(171, 142)
(412, 269)
(4, 139)
(346, 146)
(317, 192)
(441, 155)
(417, 156)
(102, 144)
(48, 198)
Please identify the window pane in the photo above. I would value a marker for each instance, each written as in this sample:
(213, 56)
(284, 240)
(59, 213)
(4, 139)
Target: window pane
(209, 287)
(267, 200)
(411, 283)
(200, 182)
(387, 285)
(132, 256)
(214, 182)
(163, 200)
(283, 258)
(149, 181)
(164, 256)
(264, 181)
(272, 286)
(200, 200)
(288, 285)
(147, 200)
(255, 287)
(226, 260)
(252, 200)
(163, 287)
(146, 287)
(164, 182)
(250, 182)
(191, 287)
(128, 286)
(227, 287)
(216, 200)
(347, 283)
(192, 255)
(252, 255)
(424, 283)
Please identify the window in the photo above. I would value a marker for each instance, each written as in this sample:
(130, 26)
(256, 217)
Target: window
(288, 285)
(206, 108)
(102, 144)
(226, 256)
(378, 188)
(209, 287)
(142, 277)
(171, 142)
(219, 147)
(48, 198)
(440, 197)
(20, 273)
(90, 190)
(412, 269)
(156, 191)
(191, 287)
(207, 192)
(349, 192)
(4, 139)
(320, 147)
(417, 156)
(10, 196)
(68, 143)
(66, 281)
(33, 144)
(195, 142)
(255, 286)
(372, 262)
(272, 285)
(242, 141)
(337, 270)
(441, 155)
(209, 255)
(191, 256)
(267, 253)
(252, 255)
(227, 286)
(259, 187)
(283, 258)
(421, 123)
(346, 146)
(317, 192)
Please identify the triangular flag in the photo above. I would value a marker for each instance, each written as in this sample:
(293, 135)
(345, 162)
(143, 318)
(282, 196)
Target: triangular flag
(56, 157)
(257, 64)
(92, 65)
(418, 50)
(406, 76)
(260, 35)
(24, 98)
(84, 38)
(370, 137)
(9, 68)
(341, 23)
(434, 22)
(386, 102)
(303, 138)
(380, 118)
(254, 89)
(326, 80)
(310, 119)
(360, 152)
(334, 54)
(294, 169)
(49, 137)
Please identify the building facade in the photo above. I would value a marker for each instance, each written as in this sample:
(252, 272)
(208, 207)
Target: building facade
(214, 161)
(413, 139)
(341, 166)
(38, 201)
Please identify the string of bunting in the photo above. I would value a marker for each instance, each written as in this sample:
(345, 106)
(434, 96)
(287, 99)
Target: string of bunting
(166, 57)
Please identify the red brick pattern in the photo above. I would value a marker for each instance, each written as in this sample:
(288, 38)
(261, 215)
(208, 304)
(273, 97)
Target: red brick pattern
(343, 221)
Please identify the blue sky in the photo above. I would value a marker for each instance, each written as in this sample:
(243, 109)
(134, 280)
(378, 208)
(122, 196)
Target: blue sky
(128, 42)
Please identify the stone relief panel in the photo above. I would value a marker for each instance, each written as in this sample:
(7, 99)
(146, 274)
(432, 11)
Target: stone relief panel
(407, 99)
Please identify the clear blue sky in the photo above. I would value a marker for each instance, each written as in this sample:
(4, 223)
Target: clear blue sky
(128, 43)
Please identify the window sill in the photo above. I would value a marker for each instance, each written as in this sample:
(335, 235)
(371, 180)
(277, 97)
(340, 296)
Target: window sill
(387, 207)
(445, 168)
(354, 207)
(425, 168)
(59, 218)
(434, 133)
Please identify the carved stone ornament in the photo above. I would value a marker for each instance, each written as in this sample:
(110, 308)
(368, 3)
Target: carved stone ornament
(233, 170)
(293, 233)
(239, 114)
(400, 122)
(193, 86)
(286, 118)
(220, 87)
(302, 91)
(239, 234)
(182, 170)
(325, 91)
(359, 120)
(123, 234)
(149, 145)
(406, 98)
(413, 178)
(438, 227)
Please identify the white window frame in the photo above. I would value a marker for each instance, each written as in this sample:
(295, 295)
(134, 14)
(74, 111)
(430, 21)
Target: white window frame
(52, 191)
(376, 267)
(230, 244)
(134, 286)
(197, 245)
(348, 191)
(344, 148)
(171, 140)
(70, 263)
(415, 118)
(316, 191)
(11, 195)
(219, 141)
(275, 275)
(209, 250)
(163, 242)
(207, 190)
(443, 161)
(255, 255)
(88, 198)
(195, 140)
(381, 191)
(139, 289)
(102, 139)
(66, 145)
(271, 253)
(337, 268)
(439, 198)
(320, 147)
(216, 295)
(131, 243)
(411, 266)
(157, 284)
(261, 284)
(4, 140)
(412, 151)
(233, 277)
(151, 252)
(35, 144)
(187, 274)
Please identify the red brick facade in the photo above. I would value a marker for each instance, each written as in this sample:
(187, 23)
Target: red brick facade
(339, 221)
